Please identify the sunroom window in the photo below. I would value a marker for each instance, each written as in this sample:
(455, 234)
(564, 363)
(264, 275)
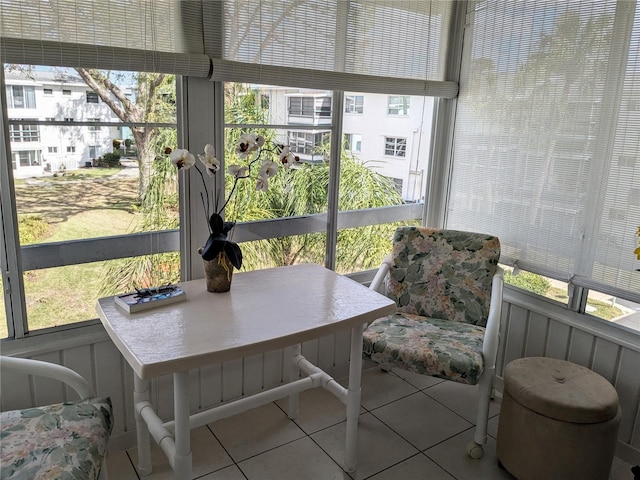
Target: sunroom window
(545, 147)
(86, 189)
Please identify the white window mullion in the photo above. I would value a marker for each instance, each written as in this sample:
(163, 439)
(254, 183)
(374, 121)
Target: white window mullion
(10, 263)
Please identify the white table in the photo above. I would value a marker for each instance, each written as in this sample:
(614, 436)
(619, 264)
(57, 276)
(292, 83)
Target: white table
(265, 310)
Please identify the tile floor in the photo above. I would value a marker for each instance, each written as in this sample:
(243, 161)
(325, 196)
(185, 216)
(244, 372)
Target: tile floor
(411, 427)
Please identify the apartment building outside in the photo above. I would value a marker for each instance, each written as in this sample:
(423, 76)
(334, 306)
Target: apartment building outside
(50, 114)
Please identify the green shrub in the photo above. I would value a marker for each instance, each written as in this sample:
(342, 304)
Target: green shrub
(31, 229)
(528, 281)
(109, 160)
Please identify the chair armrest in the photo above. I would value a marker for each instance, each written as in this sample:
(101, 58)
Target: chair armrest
(490, 344)
(48, 370)
(377, 283)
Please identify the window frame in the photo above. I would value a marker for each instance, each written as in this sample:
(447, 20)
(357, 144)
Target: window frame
(354, 104)
(395, 147)
(399, 108)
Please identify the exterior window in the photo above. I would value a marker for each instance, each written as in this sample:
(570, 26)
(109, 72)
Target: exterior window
(310, 107)
(94, 151)
(323, 106)
(19, 96)
(66, 92)
(306, 143)
(398, 182)
(353, 142)
(354, 104)
(94, 128)
(264, 102)
(301, 106)
(65, 143)
(48, 91)
(24, 133)
(395, 147)
(27, 158)
(398, 105)
(92, 97)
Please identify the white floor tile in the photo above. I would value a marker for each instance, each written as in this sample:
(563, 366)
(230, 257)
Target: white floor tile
(421, 420)
(119, 466)
(380, 387)
(301, 459)
(418, 467)
(378, 446)
(229, 473)
(461, 398)
(318, 409)
(406, 415)
(417, 380)
(206, 452)
(255, 431)
(451, 455)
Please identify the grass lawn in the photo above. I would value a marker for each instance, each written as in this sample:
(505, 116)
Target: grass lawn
(94, 204)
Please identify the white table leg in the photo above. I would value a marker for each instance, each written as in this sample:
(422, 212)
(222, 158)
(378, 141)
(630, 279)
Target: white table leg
(141, 394)
(294, 374)
(182, 458)
(353, 399)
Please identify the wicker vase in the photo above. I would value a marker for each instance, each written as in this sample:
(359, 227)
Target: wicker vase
(219, 273)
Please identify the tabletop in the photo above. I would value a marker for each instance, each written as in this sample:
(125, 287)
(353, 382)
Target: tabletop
(264, 310)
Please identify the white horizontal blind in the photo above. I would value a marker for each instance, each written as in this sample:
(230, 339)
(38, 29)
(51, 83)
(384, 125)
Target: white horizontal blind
(137, 35)
(391, 46)
(546, 150)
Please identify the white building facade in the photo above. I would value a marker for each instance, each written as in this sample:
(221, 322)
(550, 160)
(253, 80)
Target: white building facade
(49, 114)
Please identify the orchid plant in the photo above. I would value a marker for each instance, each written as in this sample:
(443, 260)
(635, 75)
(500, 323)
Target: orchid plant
(251, 147)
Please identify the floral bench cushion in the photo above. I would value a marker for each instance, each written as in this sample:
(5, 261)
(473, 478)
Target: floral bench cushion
(429, 346)
(64, 441)
(443, 273)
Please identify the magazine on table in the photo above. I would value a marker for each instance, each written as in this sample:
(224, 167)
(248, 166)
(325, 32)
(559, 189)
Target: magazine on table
(150, 298)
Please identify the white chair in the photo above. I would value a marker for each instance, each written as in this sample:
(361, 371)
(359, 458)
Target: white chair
(58, 441)
(448, 288)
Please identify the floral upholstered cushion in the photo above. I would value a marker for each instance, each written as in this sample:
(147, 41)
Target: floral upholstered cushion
(429, 346)
(443, 273)
(64, 441)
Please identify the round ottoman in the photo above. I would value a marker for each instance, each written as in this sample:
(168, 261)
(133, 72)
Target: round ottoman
(558, 421)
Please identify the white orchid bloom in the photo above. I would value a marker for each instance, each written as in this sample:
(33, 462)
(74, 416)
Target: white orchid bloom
(268, 169)
(262, 184)
(249, 143)
(288, 159)
(238, 171)
(209, 160)
(182, 158)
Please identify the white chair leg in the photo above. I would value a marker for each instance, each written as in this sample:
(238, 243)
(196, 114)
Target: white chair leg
(475, 448)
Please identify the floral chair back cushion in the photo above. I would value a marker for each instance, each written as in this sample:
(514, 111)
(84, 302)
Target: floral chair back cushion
(444, 274)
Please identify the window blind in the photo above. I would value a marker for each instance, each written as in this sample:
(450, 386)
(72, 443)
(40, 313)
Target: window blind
(377, 46)
(138, 35)
(546, 152)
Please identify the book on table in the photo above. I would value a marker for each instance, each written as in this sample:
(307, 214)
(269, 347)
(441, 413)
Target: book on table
(150, 298)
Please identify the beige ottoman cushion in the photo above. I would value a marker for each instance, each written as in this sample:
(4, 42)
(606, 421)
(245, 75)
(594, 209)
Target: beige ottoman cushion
(558, 420)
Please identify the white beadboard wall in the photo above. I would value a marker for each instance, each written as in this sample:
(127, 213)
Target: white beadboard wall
(531, 327)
